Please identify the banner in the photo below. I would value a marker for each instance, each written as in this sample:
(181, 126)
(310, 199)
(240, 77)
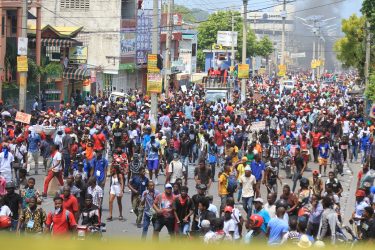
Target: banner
(282, 70)
(78, 54)
(152, 61)
(243, 70)
(22, 46)
(225, 38)
(23, 117)
(257, 126)
(128, 43)
(22, 65)
(154, 82)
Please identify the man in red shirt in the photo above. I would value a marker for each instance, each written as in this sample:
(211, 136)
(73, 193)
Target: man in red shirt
(99, 139)
(315, 138)
(70, 202)
(219, 139)
(61, 221)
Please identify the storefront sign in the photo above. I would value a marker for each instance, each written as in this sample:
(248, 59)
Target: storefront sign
(243, 71)
(143, 35)
(22, 46)
(282, 70)
(154, 82)
(257, 126)
(23, 117)
(127, 42)
(78, 54)
(22, 64)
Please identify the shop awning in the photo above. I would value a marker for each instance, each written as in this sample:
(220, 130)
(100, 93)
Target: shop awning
(54, 42)
(76, 74)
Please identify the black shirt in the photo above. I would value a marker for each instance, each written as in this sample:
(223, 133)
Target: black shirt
(185, 148)
(90, 216)
(14, 202)
(204, 176)
(298, 160)
(182, 210)
(368, 229)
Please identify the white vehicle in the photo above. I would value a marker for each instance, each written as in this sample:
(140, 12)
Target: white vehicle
(115, 95)
(287, 85)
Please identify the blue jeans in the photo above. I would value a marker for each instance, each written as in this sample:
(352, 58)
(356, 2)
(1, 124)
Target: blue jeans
(185, 163)
(66, 166)
(247, 203)
(184, 228)
(146, 223)
(354, 152)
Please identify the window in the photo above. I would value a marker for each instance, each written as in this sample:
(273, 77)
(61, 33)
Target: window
(128, 9)
(194, 49)
(75, 5)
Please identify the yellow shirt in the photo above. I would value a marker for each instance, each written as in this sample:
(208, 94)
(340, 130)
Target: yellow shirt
(223, 183)
(240, 170)
(235, 158)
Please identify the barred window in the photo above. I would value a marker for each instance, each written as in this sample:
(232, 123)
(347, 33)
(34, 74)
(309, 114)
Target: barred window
(74, 5)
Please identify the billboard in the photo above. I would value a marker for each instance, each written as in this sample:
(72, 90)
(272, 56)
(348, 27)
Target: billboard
(78, 54)
(144, 35)
(225, 38)
(127, 42)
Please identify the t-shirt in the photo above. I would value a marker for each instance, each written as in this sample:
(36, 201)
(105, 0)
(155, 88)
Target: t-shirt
(247, 185)
(278, 227)
(99, 140)
(176, 169)
(266, 218)
(223, 182)
(60, 223)
(14, 202)
(257, 168)
(139, 183)
(165, 202)
(66, 142)
(70, 203)
(152, 150)
(55, 159)
(203, 175)
(183, 207)
(231, 226)
(5, 211)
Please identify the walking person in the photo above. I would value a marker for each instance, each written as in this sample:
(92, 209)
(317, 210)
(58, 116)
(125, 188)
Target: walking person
(163, 206)
(183, 209)
(55, 170)
(152, 153)
(138, 184)
(247, 183)
(33, 143)
(116, 187)
(147, 201)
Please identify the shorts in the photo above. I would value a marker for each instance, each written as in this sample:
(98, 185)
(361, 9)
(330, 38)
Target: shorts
(115, 190)
(323, 161)
(153, 164)
(161, 221)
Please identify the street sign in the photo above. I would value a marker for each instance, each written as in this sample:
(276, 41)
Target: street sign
(243, 71)
(22, 46)
(22, 64)
(217, 46)
(282, 70)
(152, 61)
(225, 38)
(298, 55)
(154, 82)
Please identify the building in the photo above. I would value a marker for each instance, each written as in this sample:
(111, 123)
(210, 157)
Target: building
(109, 34)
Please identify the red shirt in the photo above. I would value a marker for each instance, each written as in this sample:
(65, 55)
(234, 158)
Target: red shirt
(219, 138)
(99, 140)
(60, 223)
(70, 203)
(315, 139)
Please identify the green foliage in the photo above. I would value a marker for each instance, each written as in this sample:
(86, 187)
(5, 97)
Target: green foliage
(186, 13)
(370, 91)
(34, 71)
(368, 10)
(53, 70)
(222, 20)
(351, 48)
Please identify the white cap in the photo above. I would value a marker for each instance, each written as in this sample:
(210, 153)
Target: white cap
(205, 224)
(117, 120)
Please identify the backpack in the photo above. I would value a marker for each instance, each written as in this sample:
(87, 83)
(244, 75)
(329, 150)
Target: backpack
(66, 217)
(231, 184)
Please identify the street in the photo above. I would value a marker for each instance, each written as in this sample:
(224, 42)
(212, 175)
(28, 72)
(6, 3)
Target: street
(129, 229)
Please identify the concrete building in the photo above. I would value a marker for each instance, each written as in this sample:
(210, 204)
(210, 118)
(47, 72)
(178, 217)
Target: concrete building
(109, 34)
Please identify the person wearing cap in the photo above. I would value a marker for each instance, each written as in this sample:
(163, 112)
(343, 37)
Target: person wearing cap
(230, 225)
(316, 183)
(247, 183)
(259, 209)
(254, 224)
(152, 153)
(33, 142)
(163, 206)
(360, 206)
(14, 202)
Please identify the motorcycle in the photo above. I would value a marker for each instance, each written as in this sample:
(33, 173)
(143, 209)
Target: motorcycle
(95, 231)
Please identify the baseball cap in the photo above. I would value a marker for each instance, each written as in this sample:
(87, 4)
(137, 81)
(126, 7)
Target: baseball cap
(247, 168)
(228, 209)
(260, 200)
(168, 185)
(360, 193)
(316, 172)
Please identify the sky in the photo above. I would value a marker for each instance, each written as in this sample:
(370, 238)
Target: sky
(347, 7)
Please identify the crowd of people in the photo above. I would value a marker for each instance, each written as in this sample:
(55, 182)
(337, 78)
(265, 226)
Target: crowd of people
(249, 149)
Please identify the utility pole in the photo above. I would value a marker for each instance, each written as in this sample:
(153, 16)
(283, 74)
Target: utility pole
(232, 52)
(244, 40)
(167, 61)
(283, 15)
(313, 70)
(155, 42)
(23, 75)
(318, 57)
(367, 62)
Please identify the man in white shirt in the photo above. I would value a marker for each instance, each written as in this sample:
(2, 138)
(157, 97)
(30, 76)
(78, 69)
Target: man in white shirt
(230, 225)
(270, 206)
(55, 170)
(247, 183)
(176, 170)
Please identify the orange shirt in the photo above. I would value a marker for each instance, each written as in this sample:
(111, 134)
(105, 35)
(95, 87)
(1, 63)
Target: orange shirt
(89, 153)
(61, 222)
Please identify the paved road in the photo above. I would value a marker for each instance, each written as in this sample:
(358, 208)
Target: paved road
(128, 227)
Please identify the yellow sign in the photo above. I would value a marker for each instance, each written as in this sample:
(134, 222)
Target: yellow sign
(22, 81)
(282, 70)
(78, 54)
(243, 70)
(231, 68)
(217, 46)
(152, 61)
(154, 82)
(22, 64)
(262, 71)
(316, 63)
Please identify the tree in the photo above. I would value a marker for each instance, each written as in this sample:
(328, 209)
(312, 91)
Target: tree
(351, 48)
(186, 13)
(222, 20)
(368, 10)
